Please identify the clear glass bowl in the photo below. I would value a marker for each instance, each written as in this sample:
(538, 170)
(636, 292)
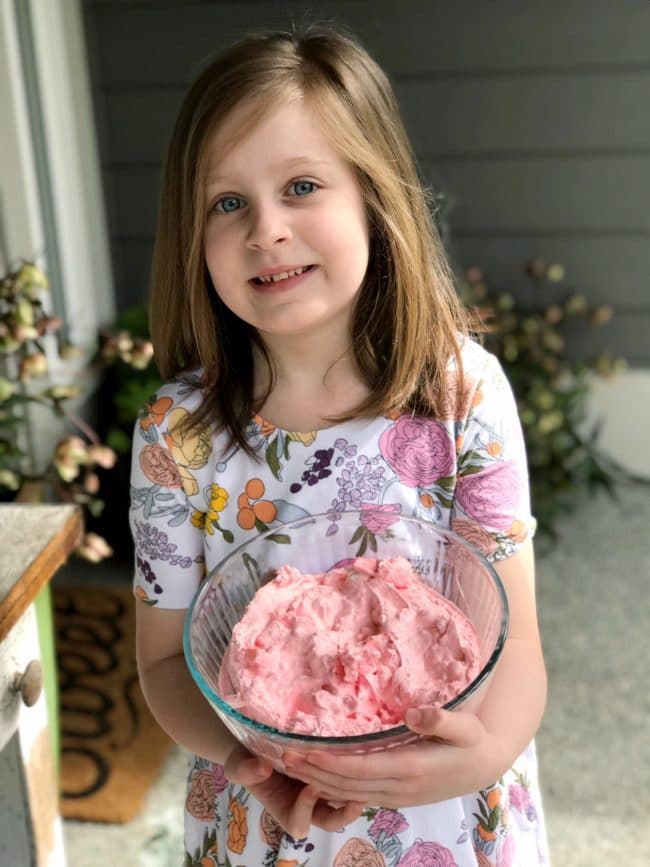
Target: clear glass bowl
(443, 559)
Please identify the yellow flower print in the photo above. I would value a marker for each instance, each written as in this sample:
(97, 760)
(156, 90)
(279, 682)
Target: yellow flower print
(189, 447)
(305, 438)
(198, 519)
(218, 499)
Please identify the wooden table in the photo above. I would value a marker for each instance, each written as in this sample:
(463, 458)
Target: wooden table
(34, 541)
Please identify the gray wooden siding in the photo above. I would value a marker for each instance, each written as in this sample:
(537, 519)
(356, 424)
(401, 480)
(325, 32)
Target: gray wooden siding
(533, 116)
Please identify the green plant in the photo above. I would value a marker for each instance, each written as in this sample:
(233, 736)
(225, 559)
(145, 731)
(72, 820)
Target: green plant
(550, 387)
(73, 472)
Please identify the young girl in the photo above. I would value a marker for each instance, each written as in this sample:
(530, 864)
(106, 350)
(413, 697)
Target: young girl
(318, 361)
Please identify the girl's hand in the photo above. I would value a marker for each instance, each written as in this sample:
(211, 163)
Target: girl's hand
(441, 767)
(293, 805)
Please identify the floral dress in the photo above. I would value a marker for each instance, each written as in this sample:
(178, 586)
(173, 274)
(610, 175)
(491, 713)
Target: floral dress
(193, 501)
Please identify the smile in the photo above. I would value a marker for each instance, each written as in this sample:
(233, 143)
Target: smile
(282, 280)
(282, 275)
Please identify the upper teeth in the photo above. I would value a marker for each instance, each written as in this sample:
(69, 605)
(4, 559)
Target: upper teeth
(273, 278)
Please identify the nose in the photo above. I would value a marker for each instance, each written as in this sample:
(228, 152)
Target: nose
(268, 226)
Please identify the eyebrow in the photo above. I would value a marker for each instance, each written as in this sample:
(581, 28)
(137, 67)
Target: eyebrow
(215, 180)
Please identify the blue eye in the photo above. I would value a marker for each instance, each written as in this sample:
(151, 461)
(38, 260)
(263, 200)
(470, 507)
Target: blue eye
(228, 205)
(303, 188)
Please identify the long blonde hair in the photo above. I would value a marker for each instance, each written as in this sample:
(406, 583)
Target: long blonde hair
(406, 318)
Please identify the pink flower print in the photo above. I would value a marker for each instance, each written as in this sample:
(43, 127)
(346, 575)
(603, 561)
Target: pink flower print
(491, 496)
(387, 821)
(520, 800)
(377, 518)
(506, 856)
(420, 451)
(427, 855)
(220, 779)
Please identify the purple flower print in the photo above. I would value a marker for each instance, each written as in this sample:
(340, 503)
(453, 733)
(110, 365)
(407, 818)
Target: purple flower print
(427, 855)
(378, 518)
(388, 822)
(359, 482)
(220, 779)
(491, 496)
(419, 450)
(155, 543)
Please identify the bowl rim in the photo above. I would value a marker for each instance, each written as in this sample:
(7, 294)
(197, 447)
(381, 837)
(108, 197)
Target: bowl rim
(328, 740)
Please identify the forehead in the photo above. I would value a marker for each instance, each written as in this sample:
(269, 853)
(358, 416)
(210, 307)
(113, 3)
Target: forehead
(282, 136)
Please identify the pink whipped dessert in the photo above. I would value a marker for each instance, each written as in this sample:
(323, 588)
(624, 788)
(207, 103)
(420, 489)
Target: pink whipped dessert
(346, 652)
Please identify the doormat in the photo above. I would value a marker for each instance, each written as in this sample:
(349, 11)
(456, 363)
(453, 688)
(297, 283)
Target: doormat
(112, 749)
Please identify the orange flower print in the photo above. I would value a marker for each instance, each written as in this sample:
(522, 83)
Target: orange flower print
(271, 832)
(237, 827)
(518, 531)
(477, 398)
(159, 466)
(156, 412)
(426, 500)
(359, 853)
(200, 798)
(257, 514)
(286, 862)
(475, 535)
(485, 833)
(266, 428)
(141, 594)
(493, 798)
(493, 448)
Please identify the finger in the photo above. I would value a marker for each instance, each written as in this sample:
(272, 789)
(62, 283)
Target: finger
(453, 727)
(300, 817)
(330, 819)
(375, 766)
(341, 788)
(246, 769)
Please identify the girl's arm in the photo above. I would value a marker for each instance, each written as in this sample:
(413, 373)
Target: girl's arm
(464, 752)
(181, 710)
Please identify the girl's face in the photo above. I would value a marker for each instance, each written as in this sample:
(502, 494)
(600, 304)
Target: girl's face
(286, 238)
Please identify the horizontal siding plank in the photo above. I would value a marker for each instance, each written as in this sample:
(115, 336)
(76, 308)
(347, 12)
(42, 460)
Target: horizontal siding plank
(447, 119)
(607, 271)
(537, 195)
(165, 42)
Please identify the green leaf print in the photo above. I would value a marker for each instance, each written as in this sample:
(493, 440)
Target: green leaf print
(286, 448)
(362, 547)
(251, 565)
(372, 542)
(470, 470)
(493, 819)
(484, 812)
(444, 501)
(272, 459)
(358, 533)
(280, 538)
(260, 526)
(227, 535)
(448, 483)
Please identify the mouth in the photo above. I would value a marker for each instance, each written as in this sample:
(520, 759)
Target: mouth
(282, 277)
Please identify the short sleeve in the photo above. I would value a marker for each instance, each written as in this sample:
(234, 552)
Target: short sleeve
(167, 530)
(491, 506)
